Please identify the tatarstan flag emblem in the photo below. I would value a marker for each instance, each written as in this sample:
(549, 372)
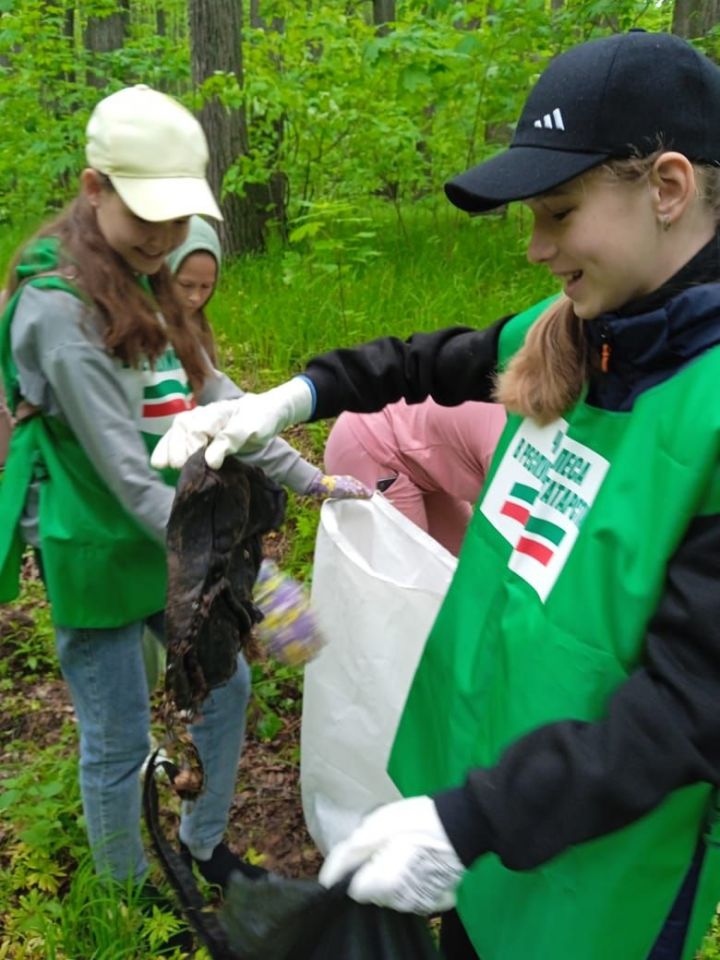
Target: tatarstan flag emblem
(540, 538)
(520, 499)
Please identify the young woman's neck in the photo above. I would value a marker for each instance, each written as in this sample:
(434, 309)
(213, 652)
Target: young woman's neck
(683, 243)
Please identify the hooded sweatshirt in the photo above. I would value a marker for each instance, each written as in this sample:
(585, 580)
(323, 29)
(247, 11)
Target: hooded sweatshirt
(53, 356)
(201, 238)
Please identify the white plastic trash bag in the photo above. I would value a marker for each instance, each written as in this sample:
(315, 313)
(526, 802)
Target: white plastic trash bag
(378, 582)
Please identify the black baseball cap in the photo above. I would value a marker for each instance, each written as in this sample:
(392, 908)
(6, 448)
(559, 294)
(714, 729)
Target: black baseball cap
(615, 97)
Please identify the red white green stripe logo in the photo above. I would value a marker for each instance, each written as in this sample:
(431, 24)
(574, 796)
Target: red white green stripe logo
(166, 392)
(520, 499)
(543, 487)
(540, 538)
(166, 398)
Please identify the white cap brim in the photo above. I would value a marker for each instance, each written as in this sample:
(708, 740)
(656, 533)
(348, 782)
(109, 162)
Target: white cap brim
(157, 199)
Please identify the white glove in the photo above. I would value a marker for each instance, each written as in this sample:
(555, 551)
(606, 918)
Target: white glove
(403, 859)
(257, 418)
(189, 432)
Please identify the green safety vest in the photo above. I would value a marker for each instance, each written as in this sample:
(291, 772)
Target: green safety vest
(101, 568)
(538, 626)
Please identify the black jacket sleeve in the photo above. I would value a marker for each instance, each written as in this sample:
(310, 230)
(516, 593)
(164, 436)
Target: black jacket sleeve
(568, 782)
(451, 366)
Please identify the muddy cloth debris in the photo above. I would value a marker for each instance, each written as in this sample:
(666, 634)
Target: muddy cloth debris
(214, 542)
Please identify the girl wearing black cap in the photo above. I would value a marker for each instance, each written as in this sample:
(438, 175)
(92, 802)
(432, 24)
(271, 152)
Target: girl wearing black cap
(560, 746)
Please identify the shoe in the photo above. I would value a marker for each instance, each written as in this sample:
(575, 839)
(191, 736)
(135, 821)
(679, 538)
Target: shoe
(150, 897)
(221, 864)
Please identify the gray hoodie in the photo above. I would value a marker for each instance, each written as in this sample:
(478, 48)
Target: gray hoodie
(64, 369)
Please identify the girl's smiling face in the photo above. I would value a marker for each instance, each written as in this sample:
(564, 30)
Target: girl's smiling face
(142, 244)
(600, 236)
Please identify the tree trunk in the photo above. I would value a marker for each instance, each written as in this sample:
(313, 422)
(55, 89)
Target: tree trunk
(103, 34)
(695, 18)
(277, 192)
(69, 32)
(257, 20)
(216, 44)
(383, 13)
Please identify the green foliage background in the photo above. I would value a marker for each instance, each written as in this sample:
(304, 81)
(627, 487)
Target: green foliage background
(372, 124)
(361, 113)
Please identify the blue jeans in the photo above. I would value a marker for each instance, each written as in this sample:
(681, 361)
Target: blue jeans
(105, 671)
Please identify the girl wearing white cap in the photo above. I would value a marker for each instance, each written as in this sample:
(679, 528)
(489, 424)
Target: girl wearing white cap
(97, 358)
(560, 747)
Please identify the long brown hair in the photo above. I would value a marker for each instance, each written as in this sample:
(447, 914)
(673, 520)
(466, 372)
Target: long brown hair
(136, 324)
(547, 374)
(204, 333)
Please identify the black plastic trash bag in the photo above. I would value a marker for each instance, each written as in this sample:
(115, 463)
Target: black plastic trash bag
(278, 919)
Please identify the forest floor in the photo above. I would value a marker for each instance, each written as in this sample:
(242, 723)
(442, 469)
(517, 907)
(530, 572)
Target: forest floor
(266, 821)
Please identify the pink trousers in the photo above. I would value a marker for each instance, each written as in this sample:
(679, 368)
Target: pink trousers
(439, 457)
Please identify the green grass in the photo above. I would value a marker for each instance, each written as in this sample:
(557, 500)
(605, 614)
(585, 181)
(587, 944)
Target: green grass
(435, 269)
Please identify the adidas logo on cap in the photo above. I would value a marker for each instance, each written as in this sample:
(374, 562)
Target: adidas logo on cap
(624, 93)
(551, 121)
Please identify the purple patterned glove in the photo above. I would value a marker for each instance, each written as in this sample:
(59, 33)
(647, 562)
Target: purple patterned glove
(288, 630)
(326, 487)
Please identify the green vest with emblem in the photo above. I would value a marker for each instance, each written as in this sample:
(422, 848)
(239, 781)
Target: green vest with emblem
(101, 568)
(560, 572)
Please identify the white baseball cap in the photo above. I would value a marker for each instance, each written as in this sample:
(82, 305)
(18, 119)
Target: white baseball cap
(153, 151)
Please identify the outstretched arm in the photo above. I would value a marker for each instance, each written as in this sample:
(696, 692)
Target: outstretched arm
(450, 365)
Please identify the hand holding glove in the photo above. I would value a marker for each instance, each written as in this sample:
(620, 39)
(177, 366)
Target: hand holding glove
(229, 426)
(330, 487)
(189, 432)
(288, 630)
(402, 858)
